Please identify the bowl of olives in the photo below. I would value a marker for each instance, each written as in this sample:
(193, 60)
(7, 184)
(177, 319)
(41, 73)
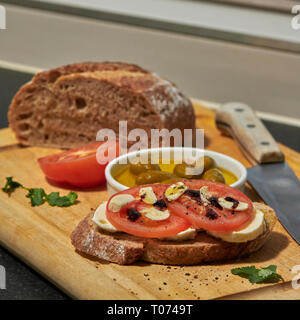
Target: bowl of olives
(170, 165)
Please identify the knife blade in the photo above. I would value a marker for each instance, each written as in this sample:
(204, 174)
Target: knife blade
(271, 177)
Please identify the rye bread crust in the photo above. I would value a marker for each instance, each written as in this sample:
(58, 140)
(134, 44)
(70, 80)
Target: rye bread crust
(66, 107)
(123, 248)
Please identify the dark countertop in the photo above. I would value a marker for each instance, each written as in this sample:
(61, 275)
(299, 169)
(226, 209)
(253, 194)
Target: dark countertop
(22, 282)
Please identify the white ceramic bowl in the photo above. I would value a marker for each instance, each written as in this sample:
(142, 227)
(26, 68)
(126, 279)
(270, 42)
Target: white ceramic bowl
(226, 162)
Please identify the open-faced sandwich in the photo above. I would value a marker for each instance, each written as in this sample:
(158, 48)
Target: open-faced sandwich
(184, 223)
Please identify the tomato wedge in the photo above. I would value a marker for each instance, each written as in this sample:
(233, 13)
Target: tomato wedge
(79, 167)
(142, 226)
(211, 217)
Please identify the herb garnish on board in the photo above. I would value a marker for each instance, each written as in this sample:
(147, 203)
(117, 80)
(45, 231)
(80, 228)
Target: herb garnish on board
(254, 275)
(38, 196)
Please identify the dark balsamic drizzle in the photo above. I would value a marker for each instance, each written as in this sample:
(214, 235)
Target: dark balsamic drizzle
(214, 201)
(133, 214)
(235, 202)
(211, 214)
(160, 204)
(194, 195)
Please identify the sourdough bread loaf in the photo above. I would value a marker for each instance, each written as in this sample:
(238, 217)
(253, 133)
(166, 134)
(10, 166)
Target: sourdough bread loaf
(124, 248)
(65, 107)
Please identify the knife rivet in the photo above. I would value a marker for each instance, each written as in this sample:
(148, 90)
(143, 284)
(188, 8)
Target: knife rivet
(265, 143)
(250, 125)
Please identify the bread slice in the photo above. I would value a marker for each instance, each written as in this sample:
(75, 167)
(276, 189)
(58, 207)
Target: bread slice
(123, 248)
(65, 107)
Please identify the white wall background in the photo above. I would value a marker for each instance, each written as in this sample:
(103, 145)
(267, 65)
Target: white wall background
(211, 70)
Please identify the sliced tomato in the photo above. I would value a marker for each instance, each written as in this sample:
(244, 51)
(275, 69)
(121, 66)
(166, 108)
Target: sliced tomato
(142, 226)
(79, 167)
(211, 217)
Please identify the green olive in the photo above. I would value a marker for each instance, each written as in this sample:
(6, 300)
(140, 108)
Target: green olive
(213, 174)
(172, 180)
(138, 168)
(208, 163)
(180, 171)
(153, 176)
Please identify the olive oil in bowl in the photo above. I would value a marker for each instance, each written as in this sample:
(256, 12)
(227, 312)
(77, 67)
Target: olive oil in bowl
(129, 177)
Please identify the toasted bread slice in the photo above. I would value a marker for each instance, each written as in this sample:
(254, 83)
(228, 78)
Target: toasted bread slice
(123, 248)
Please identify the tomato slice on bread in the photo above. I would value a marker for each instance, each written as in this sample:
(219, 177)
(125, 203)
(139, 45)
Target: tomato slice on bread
(131, 219)
(209, 214)
(79, 167)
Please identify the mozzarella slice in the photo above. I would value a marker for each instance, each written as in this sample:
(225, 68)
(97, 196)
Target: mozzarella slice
(175, 191)
(154, 214)
(119, 201)
(147, 195)
(100, 219)
(252, 230)
(188, 234)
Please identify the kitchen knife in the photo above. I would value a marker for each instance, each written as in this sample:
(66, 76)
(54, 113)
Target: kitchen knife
(272, 178)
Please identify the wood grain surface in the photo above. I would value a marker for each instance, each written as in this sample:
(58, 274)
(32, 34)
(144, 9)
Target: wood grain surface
(40, 237)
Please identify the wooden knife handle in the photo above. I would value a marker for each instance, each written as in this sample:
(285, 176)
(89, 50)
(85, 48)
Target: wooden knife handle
(239, 121)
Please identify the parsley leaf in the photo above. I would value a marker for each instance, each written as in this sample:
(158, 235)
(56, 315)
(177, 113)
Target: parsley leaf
(54, 199)
(254, 275)
(38, 196)
(11, 185)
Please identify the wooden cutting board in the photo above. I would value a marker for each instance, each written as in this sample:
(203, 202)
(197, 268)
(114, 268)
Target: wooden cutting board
(40, 237)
